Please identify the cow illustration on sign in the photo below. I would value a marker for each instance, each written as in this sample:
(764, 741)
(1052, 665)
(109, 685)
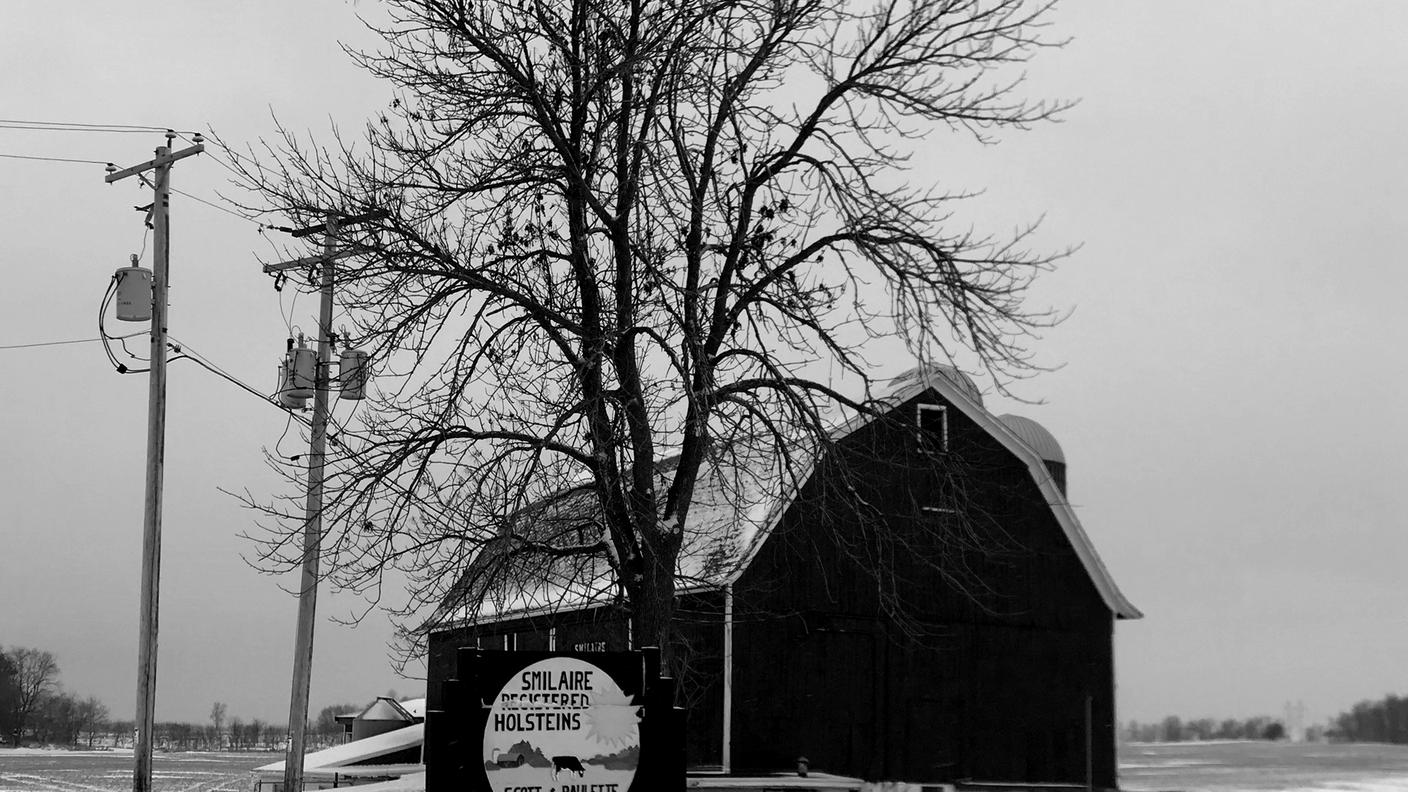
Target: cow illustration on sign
(562, 719)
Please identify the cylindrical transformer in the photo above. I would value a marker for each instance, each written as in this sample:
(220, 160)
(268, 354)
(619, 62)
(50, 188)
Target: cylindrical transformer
(352, 374)
(302, 366)
(286, 397)
(134, 294)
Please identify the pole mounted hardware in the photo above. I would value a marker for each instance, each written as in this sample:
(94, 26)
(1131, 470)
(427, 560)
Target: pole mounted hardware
(156, 451)
(312, 526)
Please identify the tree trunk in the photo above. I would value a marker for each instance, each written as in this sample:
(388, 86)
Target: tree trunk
(653, 607)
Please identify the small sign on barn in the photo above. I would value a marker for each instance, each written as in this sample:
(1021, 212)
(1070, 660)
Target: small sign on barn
(555, 722)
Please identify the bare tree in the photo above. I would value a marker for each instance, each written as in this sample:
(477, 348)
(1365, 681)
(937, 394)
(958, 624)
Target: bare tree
(237, 734)
(89, 715)
(36, 676)
(217, 723)
(9, 696)
(326, 725)
(622, 239)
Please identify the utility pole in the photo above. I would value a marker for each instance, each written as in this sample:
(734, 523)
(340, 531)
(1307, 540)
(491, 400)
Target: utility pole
(156, 454)
(313, 523)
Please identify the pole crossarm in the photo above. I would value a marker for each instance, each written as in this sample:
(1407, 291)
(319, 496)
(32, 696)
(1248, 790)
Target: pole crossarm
(308, 261)
(343, 222)
(164, 159)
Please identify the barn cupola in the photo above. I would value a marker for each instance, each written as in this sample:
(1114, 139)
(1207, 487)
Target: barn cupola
(1035, 436)
(964, 382)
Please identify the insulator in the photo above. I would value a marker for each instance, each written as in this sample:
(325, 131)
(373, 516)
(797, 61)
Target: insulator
(134, 294)
(303, 367)
(286, 395)
(352, 374)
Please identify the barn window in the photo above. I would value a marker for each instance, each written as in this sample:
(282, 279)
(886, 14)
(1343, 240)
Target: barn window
(932, 420)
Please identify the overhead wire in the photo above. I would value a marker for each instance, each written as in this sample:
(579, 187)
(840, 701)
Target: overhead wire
(68, 341)
(217, 207)
(27, 125)
(54, 159)
(80, 125)
(76, 129)
(184, 351)
(222, 163)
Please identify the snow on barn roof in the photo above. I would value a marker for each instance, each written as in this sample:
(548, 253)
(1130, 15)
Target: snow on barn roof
(355, 757)
(739, 495)
(386, 709)
(742, 494)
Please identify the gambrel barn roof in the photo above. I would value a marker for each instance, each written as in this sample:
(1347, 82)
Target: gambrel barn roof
(739, 501)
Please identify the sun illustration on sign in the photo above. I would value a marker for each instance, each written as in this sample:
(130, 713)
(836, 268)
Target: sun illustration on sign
(613, 719)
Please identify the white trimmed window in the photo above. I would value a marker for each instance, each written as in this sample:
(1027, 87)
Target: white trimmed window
(932, 423)
(931, 435)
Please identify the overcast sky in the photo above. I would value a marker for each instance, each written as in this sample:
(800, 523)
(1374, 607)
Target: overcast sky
(1228, 397)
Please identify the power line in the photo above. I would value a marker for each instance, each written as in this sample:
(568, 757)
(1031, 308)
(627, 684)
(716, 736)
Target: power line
(82, 124)
(201, 360)
(217, 207)
(76, 129)
(69, 341)
(77, 126)
(184, 351)
(211, 154)
(54, 159)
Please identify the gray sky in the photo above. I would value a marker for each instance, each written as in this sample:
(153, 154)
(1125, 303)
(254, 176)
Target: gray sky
(1227, 401)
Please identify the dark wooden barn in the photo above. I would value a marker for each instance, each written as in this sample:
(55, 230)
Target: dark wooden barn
(922, 606)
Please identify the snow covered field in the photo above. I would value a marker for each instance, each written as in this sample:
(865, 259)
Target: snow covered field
(1262, 767)
(1186, 767)
(30, 770)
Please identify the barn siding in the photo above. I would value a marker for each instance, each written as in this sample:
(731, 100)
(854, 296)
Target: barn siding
(1004, 633)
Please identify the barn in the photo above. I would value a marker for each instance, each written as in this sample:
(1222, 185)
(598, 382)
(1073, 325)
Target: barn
(920, 604)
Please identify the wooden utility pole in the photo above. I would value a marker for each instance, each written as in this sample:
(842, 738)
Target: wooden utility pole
(156, 455)
(313, 521)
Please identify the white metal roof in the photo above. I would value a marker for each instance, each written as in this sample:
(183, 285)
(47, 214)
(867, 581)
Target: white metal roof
(339, 758)
(1036, 436)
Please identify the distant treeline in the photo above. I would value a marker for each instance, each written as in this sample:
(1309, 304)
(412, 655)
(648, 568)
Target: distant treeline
(1175, 729)
(222, 734)
(1385, 720)
(36, 710)
(35, 707)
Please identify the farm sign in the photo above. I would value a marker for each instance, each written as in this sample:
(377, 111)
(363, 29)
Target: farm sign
(554, 722)
(562, 724)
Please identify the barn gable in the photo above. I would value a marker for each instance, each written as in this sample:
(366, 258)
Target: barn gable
(940, 380)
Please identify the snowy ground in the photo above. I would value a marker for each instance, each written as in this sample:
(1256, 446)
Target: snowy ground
(1263, 767)
(36, 770)
(1185, 767)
